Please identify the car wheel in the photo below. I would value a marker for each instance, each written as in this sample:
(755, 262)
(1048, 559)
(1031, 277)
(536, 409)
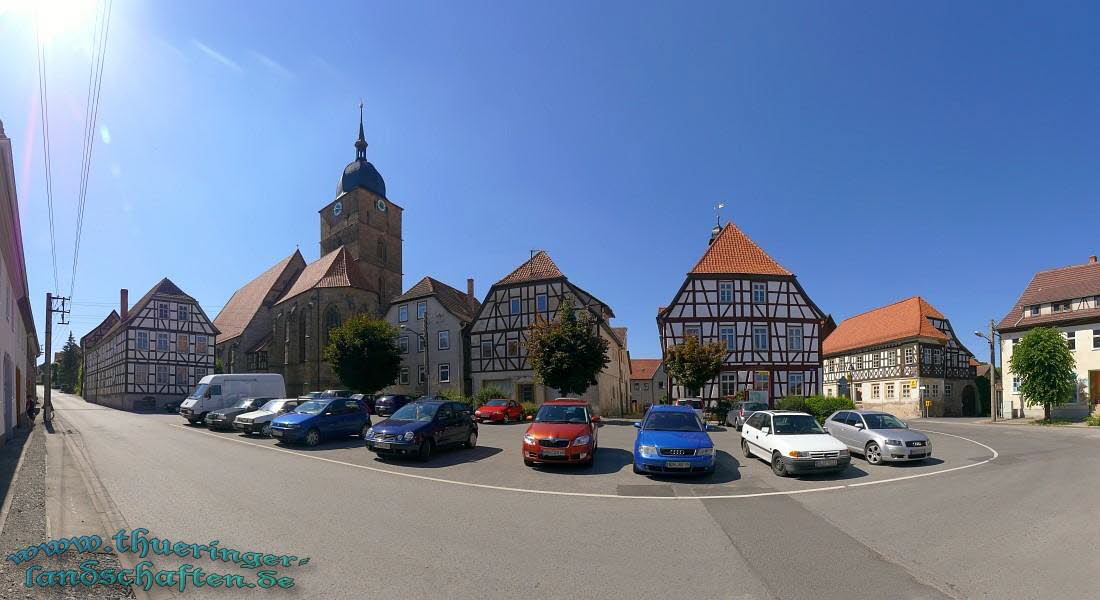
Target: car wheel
(873, 453)
(363, 431)
(745, 449)
(202, 418)
(425, 451)
(471, 441)
(529, 463)
(313, 437)
(638, 471)
(266, 430)
(778, 467)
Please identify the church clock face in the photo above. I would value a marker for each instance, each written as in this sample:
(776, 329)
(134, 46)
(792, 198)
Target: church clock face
(337, 208)
(381, 204)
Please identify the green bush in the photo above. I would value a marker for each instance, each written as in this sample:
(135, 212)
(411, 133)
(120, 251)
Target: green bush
(529, 408)
(454, 396)
(1093, 420)
(818, 406)
(486, 394)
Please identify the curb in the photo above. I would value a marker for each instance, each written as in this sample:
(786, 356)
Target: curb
(14, 479)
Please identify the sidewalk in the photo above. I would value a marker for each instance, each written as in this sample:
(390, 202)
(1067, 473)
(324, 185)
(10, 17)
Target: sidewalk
(1026, 422)
(39, 490)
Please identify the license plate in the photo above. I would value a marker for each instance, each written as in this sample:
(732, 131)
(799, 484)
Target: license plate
(382, 445)
(678, 465)
(553, 452)
(825, 463)
(277, 432)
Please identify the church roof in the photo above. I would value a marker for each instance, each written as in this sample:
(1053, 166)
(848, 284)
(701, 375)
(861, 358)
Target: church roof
(242, 307)
(898, 321)
(537, 268)
(359, 172)
(456, 302)
(732, 252)
(335, 269)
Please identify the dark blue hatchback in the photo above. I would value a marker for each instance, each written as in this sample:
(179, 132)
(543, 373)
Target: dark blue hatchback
(418, 428)
(314, 420)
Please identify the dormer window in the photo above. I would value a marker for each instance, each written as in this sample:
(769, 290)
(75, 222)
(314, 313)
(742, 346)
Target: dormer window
(1061, 306)
(1034, 310)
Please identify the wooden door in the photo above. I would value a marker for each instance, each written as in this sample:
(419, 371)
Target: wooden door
(1094, 387)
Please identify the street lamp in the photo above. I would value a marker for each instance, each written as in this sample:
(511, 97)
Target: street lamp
(994, 406)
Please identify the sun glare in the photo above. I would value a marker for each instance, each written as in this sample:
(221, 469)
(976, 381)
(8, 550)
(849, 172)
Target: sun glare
(55, 18)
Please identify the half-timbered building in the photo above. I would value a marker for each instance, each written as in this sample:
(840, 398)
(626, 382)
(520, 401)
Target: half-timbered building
(892, 357)
(739, 296)
(149, 355)
(498, 336)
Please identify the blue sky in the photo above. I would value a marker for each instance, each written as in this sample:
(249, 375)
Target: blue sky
(878, 150)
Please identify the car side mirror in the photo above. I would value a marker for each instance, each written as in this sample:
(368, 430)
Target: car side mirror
(327, 413)
(637, 424)
(766, 430)
(596, 419)
(859, 426)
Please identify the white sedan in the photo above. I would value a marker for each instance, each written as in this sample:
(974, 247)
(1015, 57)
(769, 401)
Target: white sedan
(793, 443)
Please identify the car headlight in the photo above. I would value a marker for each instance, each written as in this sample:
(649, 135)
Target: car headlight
(798, 453)
(843, 452)
(583, 440)
(370, 432)
(648, 451)
(704, 452)
(895, 443)
(409, 436)
(289, 425)
(528, 439)
(477, 413)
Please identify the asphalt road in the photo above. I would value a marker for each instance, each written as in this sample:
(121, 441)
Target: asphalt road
(478, 524)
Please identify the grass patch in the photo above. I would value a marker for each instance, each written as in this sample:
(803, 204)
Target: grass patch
(1093, 420)
(1051, 422)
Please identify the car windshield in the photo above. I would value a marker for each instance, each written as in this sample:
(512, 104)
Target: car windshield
(756, 406)
(199, 390)
(273, 405)
(311, 408)
(415, 412)
(496, 403)
(883, 422)
(796, 424)
(242, 403)
(561, 414)
(672, 421)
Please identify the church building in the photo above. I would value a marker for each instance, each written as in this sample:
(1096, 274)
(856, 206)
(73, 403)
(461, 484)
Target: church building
(279, 322)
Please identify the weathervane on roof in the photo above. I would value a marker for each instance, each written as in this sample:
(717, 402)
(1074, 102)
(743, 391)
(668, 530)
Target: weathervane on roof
(717, 214)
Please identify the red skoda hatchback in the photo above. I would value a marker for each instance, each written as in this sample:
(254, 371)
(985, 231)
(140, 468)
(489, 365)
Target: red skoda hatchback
(564, 431)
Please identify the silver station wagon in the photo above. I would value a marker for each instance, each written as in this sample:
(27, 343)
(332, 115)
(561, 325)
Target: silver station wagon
(878, 436)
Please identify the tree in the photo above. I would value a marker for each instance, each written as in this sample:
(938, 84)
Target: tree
(692, 364)
(1045, 366)
(567, 354)
(68, 367)
(364, 354)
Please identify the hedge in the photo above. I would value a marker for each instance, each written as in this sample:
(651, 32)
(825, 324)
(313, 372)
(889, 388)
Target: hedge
(818, 406)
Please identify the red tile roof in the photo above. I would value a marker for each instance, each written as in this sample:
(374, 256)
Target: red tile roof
(643, 368)
(1067, 283)
(732, 252)
(335, 269)
(898, 321)
(456, 302)
(537, 268)
(235, 316)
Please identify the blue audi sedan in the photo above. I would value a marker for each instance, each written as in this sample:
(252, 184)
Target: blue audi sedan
(672, 440)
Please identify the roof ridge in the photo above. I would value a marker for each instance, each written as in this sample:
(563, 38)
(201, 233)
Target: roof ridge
(742, 244)
(879, 308)
(1085, 264)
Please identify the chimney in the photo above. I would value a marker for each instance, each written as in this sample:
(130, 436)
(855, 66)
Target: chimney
(1092, 259)
(123, 303)
(470, 293)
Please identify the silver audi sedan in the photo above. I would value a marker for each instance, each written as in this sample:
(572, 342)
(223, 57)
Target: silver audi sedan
(878, 436)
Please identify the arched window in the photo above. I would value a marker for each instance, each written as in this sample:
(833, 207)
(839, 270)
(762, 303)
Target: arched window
(302, 322)
(381, 251)
(332, 319)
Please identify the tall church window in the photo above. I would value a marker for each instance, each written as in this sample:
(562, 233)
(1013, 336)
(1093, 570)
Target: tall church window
(302, 321)
(332, 319)
(382, 251)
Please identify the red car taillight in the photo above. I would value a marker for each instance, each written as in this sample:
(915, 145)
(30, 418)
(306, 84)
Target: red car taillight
(742, 413)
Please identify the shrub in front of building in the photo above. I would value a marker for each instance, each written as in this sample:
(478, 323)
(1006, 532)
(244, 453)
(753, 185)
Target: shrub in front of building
(818, 406)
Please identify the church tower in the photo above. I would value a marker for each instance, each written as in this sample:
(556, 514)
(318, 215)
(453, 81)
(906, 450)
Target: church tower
(363, 220)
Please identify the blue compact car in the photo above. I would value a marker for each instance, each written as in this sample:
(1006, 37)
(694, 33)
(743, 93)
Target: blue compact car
(418, 428)
(672, 440)
(315, 420)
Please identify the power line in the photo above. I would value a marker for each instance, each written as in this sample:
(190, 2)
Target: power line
(91, 116)
(44, 111)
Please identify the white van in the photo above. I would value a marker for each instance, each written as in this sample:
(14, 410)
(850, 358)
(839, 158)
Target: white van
(219, 391)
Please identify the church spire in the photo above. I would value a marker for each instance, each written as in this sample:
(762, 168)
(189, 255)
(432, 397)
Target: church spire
(361, 143)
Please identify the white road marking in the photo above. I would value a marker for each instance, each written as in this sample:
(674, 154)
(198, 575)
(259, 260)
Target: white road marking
(594, 495)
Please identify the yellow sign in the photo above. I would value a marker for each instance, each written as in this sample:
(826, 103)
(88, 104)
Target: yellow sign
(913, 383)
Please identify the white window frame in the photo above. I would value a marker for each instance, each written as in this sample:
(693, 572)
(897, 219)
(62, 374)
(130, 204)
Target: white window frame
(403, 344)
(444, 372)
(421, 310)
(421, 374)
(801, 385)
(795, 337)
(162, 370)
(542, 303)
(759, 292)
(185, 311)
(889, 391)
(138, 338)
(725, 292)
(515, 306)
(1071, 340)
(403, 313)
(162, 310)
(728, 334)
(756, 331)
(727, 384)
(875, 391)
(162, 341)
(910, 355)
(486, 349)
(443, 339)
(403, 378)
(697, 329)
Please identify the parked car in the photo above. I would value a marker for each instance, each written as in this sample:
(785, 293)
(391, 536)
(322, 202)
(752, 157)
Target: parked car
(499, 411)
(223, 418)
(367, 400)
(259, 421)
(564, 431)
(336, 394)
(314, 420)
(219, 391)
(793, 443)
(878, 436)
(388, 404)
(741, 411)
(697, 404)
(419, 428)
(673, 439)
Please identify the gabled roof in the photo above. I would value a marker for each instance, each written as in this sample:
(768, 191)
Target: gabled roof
(456, 302)
(1067, 283)
(163, 288)
(732, 252)
(644, 368)
(901, 320)
(335, 269)
(537, 268)
(242, 307)
(104, 326)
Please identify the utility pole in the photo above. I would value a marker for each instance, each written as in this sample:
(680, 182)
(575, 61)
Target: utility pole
(427, 358)
(63, 309)
(994, 407)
